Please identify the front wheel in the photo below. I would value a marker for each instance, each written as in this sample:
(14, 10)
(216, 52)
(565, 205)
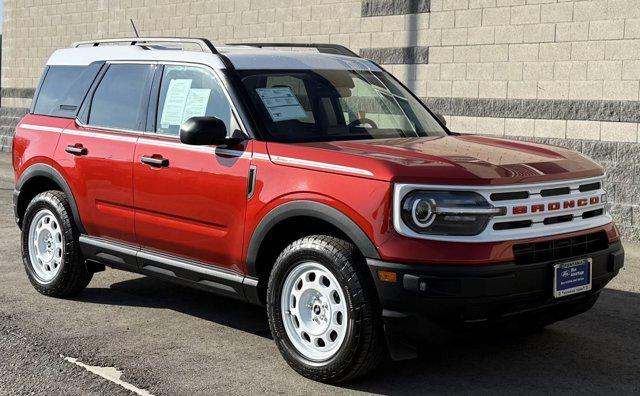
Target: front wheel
(323, 310)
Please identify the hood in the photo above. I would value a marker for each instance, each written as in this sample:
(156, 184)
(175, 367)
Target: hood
(464, 159)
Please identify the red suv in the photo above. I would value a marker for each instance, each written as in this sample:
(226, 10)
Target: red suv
(312, 182)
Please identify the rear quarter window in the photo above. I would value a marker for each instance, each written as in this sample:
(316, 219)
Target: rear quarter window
(63, 89)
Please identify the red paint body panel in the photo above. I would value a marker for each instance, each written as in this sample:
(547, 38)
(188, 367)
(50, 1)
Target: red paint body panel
(365, 201)
(31, 146)
(409, 250)
(101, 181)
(467, 160)
(195, 207)
(368, 203)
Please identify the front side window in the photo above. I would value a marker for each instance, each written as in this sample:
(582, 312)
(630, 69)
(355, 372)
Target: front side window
(326, 105)
(188, 91)
(120, 100)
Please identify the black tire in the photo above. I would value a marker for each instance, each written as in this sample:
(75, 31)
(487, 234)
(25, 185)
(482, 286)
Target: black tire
(73, 275)
(363, 347)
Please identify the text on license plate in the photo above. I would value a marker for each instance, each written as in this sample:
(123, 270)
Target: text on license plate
(572, 277)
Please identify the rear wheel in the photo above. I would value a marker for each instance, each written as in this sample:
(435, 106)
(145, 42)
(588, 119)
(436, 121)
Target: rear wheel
(323, 310)
(50, 249)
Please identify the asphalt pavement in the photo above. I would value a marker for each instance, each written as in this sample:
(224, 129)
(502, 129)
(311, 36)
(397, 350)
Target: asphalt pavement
(171, 340)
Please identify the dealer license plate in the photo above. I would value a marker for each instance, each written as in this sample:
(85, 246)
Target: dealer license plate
(572, 277)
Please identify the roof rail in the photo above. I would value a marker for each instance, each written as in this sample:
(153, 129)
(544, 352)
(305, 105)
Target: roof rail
(323, 48)
(204, 44)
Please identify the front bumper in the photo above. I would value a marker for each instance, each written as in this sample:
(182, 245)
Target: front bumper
(441, 296)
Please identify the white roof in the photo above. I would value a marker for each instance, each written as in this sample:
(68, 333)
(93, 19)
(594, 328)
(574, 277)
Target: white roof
(132, 53)
(256, 58)
(242, 57)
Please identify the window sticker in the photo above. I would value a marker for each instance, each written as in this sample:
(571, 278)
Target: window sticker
(175, 102)
(281, 103)
(197, 102)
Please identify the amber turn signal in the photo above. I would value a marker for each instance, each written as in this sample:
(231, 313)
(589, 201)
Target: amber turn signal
(387, 276)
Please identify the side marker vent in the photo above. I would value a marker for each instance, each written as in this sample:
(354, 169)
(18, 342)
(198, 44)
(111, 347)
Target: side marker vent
(251, 187)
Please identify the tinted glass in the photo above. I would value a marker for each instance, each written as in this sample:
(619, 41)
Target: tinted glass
(188, 92)
(63, 89)
(120, 100)
(325, 105)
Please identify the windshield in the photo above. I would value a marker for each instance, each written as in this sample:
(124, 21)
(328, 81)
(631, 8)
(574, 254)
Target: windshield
(329, 105)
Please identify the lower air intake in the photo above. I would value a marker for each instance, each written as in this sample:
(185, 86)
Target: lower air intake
(559, 249)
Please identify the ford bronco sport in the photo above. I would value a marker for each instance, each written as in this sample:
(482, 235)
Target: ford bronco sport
(310, 181)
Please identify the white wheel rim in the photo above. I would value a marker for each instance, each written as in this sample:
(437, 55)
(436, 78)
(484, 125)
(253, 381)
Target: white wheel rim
(46, 245)
(314, 311)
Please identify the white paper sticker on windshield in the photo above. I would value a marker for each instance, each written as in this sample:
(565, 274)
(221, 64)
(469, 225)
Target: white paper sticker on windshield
(197, 102)
(175, 101)
(281, 103)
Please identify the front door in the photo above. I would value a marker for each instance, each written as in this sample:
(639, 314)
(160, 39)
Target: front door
(190, 201)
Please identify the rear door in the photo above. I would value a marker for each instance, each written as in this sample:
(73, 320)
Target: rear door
(190, 201)
(96, 151)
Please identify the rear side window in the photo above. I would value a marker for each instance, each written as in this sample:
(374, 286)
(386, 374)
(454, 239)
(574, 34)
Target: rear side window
(63, 89)
(120, 100)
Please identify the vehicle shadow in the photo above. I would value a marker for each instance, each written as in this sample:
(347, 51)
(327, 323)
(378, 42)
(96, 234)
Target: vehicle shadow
(597, 352)
(151, 292)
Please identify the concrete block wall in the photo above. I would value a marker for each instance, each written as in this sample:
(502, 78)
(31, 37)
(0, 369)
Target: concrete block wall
(563, 72)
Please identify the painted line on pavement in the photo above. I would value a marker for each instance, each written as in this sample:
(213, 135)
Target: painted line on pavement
(110, 374)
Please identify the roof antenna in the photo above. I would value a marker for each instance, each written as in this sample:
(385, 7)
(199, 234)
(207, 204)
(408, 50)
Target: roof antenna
(134, 27)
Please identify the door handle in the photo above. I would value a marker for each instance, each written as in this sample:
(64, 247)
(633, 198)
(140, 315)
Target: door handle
(156, 162)
(77, 149)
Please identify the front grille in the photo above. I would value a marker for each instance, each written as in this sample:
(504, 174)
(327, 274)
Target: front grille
(553, 208)
(525, 210)
(560, 249)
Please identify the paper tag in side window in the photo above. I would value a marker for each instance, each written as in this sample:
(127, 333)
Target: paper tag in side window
(281, 103)
(175, 101)
(197, 102)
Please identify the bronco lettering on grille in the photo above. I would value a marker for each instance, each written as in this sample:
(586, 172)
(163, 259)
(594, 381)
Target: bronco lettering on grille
(552, 206)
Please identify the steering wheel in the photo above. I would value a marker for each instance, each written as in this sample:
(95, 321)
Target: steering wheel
(362, 121)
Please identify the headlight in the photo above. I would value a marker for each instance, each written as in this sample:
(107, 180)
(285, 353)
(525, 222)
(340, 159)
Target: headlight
(447, 212)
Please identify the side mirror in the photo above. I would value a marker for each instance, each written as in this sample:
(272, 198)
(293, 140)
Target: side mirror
(204, 131)
(441, 118)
